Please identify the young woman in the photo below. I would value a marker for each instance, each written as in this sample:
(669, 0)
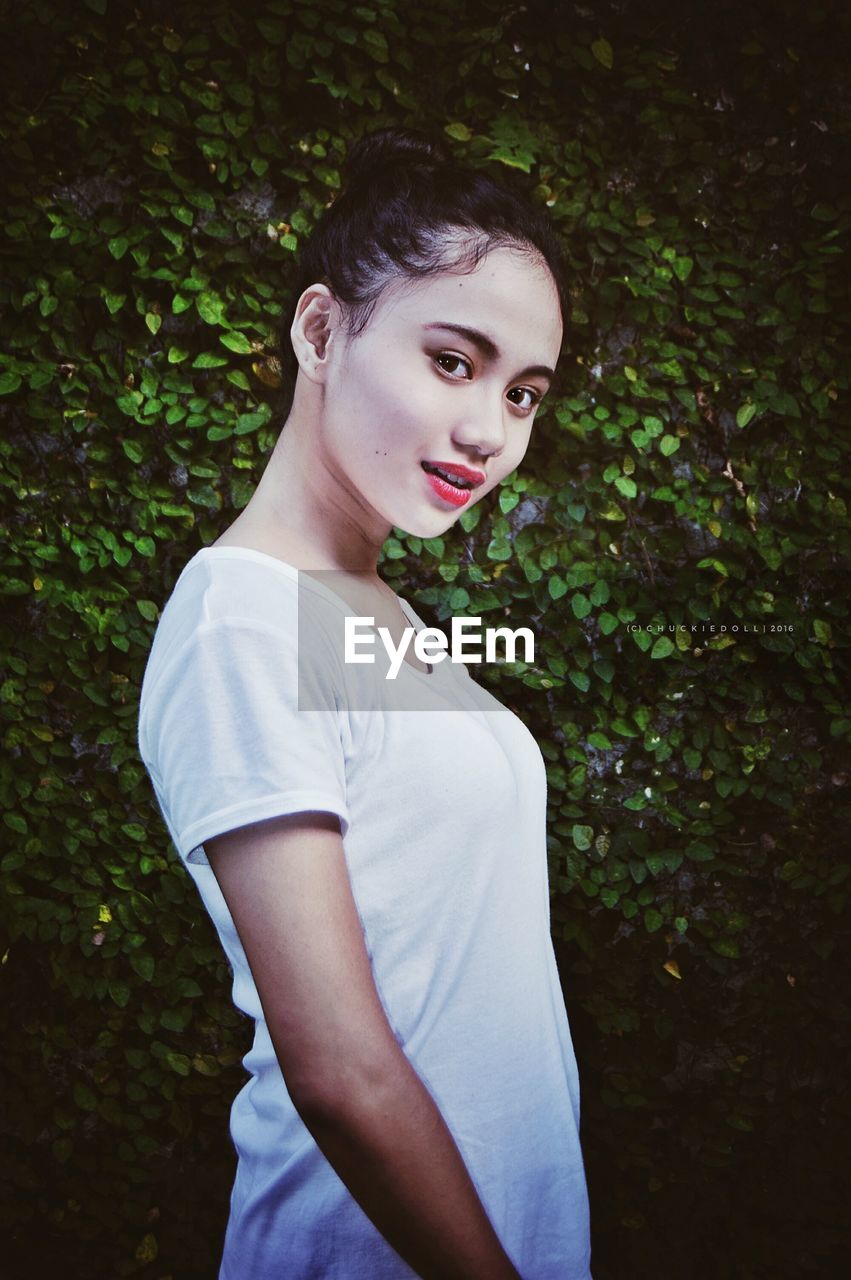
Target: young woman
(377, 872)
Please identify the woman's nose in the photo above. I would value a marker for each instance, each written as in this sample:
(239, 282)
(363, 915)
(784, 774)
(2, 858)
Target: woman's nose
(482, 429)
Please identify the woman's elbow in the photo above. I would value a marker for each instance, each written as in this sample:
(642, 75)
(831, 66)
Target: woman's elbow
(344, 1088)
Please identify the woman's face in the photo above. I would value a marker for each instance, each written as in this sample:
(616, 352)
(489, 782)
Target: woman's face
(447, 373)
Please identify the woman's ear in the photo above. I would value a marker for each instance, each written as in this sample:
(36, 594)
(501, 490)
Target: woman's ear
(317, 316)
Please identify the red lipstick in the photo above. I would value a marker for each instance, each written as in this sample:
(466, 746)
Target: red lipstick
(452, 481)
(456, 470)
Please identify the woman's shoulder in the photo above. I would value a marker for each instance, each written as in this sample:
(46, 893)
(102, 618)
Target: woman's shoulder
(222, 581)
(252, 589)
(240, 605)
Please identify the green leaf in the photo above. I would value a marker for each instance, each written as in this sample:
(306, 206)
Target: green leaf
(602, 51)
(9, 382)
(179, 1063)
(247, 422)
(133, 450)
(129, 403)
(712, 562)
(460, 132)
(144, 965)
(699, 851)
(174, 238)
(211, 309)
(202, 200)
(627, 486)
(662, 648)
(187, 988)
(653, 920)
(376, 45)
(208, 360)
(745, 414)
(582, 836)
(120, 992)
(669, 444)
(237, 342)
(84, 1098)
(822, 631)
(148, 1248)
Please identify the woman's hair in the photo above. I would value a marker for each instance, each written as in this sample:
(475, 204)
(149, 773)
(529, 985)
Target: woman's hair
(408, 209)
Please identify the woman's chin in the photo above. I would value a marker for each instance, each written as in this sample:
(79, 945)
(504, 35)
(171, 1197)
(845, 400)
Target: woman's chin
(430, 525)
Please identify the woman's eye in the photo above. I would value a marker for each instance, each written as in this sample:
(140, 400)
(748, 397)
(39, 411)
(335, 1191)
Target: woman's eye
(532, 397)
(461, 369)
(451, 364)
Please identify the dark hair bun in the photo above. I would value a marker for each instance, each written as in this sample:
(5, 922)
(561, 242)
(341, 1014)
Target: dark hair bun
(385, 150)
(404, 199)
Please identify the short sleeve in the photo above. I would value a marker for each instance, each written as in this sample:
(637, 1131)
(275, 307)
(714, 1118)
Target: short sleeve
(225, 741)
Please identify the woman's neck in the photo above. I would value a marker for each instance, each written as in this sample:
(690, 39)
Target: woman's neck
(301, 512)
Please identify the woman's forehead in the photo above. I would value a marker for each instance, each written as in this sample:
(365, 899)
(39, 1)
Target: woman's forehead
(510, 294)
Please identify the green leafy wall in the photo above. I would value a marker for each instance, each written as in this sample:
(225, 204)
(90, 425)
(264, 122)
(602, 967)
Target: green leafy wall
(162, 163)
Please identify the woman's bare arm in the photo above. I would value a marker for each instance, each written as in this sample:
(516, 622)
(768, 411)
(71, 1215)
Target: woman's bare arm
(286, 884)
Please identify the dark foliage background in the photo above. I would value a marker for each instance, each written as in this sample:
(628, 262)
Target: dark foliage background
(161, 163)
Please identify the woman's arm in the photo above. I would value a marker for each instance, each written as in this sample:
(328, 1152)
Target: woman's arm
(286, 884)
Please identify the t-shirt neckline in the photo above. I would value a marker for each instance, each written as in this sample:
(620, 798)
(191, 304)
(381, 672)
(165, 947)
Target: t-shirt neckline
(233, 552)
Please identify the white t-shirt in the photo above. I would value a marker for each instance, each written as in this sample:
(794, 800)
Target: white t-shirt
(441, 798)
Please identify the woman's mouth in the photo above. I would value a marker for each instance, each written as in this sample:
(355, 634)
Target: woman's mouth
(452, 483)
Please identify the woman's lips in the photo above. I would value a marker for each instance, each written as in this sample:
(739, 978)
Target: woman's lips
(449, 492)
(457, 494)
(455, 471)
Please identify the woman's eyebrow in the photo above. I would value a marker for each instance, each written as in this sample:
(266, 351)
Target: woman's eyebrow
(489, 348)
